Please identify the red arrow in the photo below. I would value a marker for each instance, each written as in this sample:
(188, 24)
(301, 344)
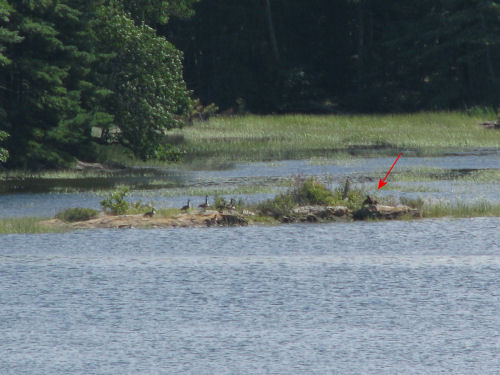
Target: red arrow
(382, 182)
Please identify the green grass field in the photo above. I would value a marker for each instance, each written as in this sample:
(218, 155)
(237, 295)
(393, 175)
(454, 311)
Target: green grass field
(26, 225)
(254, 137)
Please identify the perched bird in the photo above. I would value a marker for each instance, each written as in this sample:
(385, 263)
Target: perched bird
(347, 188)
(150, 213)
(369, 201)
(187, 206)
(206, 204)
(231, 205)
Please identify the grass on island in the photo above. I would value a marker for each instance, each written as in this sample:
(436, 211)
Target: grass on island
(266, 188)
(461, 209)
(308, 191)
(28, 225)
(457, 209)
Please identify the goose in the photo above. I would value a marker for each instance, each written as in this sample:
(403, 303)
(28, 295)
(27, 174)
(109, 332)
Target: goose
(369, 201)
(347, 188)
(231, 205)
(150, 213)
(206, 204)
(187, 206)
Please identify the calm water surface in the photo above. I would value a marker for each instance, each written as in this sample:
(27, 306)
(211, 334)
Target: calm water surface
(48, 204)
(420, 297)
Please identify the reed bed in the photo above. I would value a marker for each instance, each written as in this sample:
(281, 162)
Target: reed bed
(290, 136)
(428, 174)
(460, 209)
(26, 225)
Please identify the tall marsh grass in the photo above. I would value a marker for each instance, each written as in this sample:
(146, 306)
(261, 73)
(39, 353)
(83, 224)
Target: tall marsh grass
(278, 136)
(26, 225)
(427, 174)
(460, 209)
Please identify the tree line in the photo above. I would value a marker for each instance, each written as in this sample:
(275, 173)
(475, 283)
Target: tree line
(75, 73)
(342, 55)
(79, 72)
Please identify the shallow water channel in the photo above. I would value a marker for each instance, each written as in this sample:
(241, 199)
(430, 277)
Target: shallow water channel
(401, 297)
(167, 187)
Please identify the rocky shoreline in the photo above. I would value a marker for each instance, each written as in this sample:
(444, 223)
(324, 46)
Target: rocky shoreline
(209, 218)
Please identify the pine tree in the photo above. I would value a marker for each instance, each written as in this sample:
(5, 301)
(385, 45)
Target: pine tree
(50, 101)
(7, 37)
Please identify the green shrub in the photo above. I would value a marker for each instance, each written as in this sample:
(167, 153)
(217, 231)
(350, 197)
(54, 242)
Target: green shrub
(115, 203)
(77, 214)
(279, 206)
(167, 152)
(311, 191)
(220, 203)
(355, 198)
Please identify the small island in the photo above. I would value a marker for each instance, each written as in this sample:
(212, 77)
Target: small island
(308, 201)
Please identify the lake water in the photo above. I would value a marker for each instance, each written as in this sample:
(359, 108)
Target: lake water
(400, 297)
(270, 173)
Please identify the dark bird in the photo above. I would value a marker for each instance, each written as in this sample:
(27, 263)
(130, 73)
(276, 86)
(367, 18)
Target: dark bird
(369, 201)
(206, 204)
(231, 205)
(150, 213)
(347, 188)
(187, 206)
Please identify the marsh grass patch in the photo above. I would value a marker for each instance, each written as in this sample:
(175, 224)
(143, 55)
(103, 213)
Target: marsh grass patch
(28, 225)
(458, 209)
(77, 214)
(254, 137)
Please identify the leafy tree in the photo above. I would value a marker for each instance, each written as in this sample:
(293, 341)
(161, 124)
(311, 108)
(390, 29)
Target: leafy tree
(79, 65)
(4, 154)
(144, 73)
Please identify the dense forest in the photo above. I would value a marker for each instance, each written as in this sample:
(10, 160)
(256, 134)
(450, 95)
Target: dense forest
(78, 73)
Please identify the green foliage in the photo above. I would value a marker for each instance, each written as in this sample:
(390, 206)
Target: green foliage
(354, 199)
(201, 112)
(77, 214)
(42, 87)
(144, 72)
(6, 36)
(116, 203)
(4, 154)
(312, 192)
(279, 206)
(72, 65)
(167, 152)
(220, 203)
